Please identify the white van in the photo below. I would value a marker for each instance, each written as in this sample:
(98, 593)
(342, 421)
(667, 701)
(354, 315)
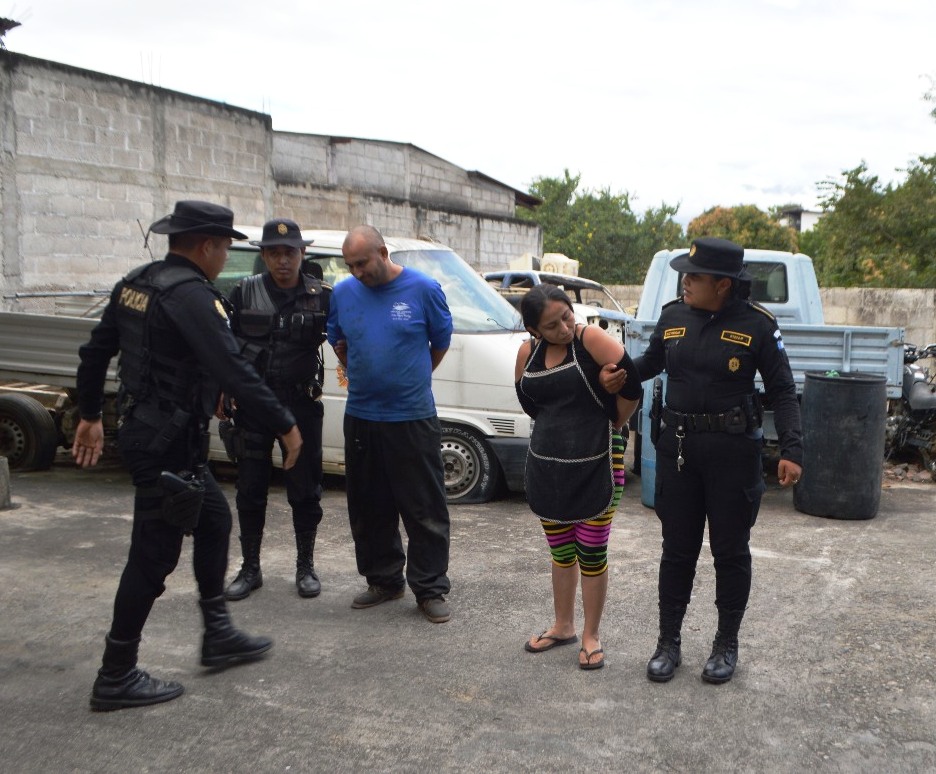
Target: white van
(485, 434)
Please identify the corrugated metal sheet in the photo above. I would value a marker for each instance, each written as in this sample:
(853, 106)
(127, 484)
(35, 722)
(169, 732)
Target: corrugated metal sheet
(43, 349)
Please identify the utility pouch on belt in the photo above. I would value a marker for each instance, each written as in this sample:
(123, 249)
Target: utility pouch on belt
(311, 388)
(656, 410)
(169, 428)
(755, 411)
(736, 421)
(255, 323)
(233, 439)
(182, 499)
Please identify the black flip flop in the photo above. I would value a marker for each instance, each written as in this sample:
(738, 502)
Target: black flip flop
(588, 656)
(556, 642)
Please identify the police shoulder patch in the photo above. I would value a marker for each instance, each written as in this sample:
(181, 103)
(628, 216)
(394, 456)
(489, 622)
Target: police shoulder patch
(762, 310)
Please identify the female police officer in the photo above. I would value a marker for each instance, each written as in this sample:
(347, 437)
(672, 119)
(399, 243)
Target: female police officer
(711, 342)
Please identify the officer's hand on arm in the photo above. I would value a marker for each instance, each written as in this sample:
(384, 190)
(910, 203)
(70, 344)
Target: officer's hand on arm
(292, 442)
(89, 442)
(612, 378)
(788, 473)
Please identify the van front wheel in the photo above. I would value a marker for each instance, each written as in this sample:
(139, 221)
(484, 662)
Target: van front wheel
(472, 473)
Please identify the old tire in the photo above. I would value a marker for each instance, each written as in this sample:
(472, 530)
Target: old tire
(28, 437)
(472, 473)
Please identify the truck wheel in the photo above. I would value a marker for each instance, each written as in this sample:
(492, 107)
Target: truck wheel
(28, 437)
(472, 473)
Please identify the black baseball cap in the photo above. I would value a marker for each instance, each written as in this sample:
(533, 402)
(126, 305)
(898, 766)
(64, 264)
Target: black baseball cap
(282, 231)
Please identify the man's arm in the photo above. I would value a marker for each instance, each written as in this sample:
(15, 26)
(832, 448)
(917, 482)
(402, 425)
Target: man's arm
(436, 355)
(341, 351)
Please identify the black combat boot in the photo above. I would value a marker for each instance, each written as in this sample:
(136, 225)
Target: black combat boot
(249, 578)
(306, 580)
(721, 664)
(666, 657)
(223, 644)
(120, 684)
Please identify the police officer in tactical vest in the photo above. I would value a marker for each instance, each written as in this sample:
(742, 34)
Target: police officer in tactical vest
(279, 317)
(177, 352)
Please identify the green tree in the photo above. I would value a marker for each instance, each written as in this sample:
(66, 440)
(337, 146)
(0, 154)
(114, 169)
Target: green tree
(877, 235)
(600, 230)
(745, 225)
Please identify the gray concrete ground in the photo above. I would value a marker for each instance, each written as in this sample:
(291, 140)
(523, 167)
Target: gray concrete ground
(836, 671)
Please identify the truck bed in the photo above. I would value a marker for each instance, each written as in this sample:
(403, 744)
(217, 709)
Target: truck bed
(820, 348)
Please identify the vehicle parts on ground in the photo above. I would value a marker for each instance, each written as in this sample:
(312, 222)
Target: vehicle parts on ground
(911, 419)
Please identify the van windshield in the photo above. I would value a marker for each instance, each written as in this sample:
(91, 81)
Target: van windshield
(475, 306)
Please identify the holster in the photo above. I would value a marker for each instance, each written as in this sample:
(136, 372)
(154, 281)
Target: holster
(182, 499)
(233, 439)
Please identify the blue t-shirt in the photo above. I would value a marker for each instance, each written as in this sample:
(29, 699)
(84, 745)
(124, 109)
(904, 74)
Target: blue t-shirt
(390, 330)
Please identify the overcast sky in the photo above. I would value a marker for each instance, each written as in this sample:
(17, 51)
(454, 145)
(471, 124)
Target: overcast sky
(693, 103)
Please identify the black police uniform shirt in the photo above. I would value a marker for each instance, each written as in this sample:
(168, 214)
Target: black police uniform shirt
(195, 314)
(711, 360)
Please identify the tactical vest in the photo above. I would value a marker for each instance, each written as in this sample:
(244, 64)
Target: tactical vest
(278, 343)
(149, 373)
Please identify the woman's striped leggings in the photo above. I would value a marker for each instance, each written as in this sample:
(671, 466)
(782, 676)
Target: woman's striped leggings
(586, 542)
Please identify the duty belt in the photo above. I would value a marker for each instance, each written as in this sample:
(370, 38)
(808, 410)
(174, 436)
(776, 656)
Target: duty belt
(731, 421)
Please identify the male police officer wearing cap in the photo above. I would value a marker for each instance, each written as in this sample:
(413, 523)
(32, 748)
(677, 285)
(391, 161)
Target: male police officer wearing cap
(711, 342)
(279, 317)
(171, 328)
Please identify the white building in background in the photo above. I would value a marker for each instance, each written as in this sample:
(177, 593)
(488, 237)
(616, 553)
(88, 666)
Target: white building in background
(799, 218)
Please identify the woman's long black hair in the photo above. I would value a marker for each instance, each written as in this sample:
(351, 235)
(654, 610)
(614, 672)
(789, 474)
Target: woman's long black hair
(534, 302)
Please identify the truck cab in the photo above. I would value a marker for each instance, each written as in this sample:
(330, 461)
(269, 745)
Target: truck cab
(785, 283)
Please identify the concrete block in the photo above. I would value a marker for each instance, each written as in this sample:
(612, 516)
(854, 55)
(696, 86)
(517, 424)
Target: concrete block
(5, 490)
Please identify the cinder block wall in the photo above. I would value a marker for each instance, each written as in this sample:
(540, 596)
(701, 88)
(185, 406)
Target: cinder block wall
(910, 308)
(337, 182)
(89, 158)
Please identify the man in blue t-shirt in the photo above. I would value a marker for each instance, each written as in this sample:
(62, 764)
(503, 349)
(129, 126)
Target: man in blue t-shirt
(390, 327)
